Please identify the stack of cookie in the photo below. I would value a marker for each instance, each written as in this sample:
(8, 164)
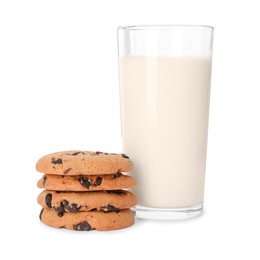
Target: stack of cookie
(85, 190)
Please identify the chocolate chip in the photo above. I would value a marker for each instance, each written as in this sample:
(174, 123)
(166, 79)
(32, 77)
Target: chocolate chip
(70, 208)
(48, 199)
(98, 181)
(85, 182)
(60, 208)
(57, 161)
(66, 171)
(98, 152)
(125, 156)
(110, 208)
(83, 226)
(65, 204)
(62, 227)
(76, 153)
(40, 216)
(116, 175)
(73, 207)
(60, 214)
(44, 181)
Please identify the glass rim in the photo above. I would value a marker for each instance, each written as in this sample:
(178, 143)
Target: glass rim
(164, 27)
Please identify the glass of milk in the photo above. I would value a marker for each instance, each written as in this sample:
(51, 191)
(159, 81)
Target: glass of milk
(165, 74)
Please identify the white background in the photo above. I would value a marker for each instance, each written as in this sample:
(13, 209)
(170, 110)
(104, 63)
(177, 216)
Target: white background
(59, 91)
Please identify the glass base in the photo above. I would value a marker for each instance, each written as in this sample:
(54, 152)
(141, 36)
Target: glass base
(168, 213)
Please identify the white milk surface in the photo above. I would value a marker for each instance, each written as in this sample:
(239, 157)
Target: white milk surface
(164, 109)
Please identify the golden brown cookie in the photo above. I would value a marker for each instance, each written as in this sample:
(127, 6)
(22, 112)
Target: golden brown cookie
(86, 182)
(83, 163)
(88, 220)
(108, 201)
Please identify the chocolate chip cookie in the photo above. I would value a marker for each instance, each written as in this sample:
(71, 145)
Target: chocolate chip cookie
(83, 163)
(89, 220)
(84, 190)
(86, 182)
(108, 201)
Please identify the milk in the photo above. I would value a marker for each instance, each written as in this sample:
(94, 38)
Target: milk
(164, 115)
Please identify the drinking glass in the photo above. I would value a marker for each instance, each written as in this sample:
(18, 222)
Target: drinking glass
(165, 75)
